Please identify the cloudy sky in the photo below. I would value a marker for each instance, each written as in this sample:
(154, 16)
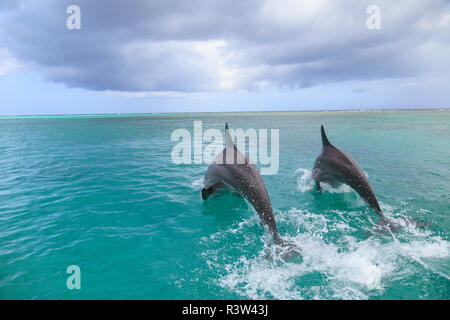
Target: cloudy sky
(222, 55)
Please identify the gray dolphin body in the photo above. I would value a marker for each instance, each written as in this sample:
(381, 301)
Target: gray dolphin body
(242, 177)
(335, 167)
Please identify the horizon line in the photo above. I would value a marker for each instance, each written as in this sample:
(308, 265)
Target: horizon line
(243, 111)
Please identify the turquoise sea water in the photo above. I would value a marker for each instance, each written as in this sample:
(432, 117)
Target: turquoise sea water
(101, 192)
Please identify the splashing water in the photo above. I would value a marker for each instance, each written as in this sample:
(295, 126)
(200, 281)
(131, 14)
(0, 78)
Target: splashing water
(352, 268)
(306, 183)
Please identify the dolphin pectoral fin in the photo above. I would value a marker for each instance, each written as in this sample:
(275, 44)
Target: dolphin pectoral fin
(385, 225)
(206, 192)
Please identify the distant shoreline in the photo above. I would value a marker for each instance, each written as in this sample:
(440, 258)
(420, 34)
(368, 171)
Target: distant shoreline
(87, 115)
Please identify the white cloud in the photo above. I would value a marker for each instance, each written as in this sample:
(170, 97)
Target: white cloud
(8, 63)
(146, 94)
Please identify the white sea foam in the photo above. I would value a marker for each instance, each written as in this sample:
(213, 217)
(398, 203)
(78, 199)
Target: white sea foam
(351, 271)
(305, 183)
(351, 266)
(197, 184)
(343, 188)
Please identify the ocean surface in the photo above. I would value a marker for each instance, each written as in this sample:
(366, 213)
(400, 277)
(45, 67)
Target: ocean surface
(102, 193)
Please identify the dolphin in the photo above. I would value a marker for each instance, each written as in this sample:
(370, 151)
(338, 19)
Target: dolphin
(233, 170)
(335, 167)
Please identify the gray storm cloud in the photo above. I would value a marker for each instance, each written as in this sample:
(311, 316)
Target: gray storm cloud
(189, 46)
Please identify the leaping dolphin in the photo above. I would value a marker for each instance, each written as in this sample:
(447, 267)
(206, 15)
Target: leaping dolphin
(233, 170)
(335, 167)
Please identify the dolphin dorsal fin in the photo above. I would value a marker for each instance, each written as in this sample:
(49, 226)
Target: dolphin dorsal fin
(228, 138)
(325, 142)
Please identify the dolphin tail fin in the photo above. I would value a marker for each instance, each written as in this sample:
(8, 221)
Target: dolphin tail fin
(325, 142)
(289, 250)
(384, 225)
